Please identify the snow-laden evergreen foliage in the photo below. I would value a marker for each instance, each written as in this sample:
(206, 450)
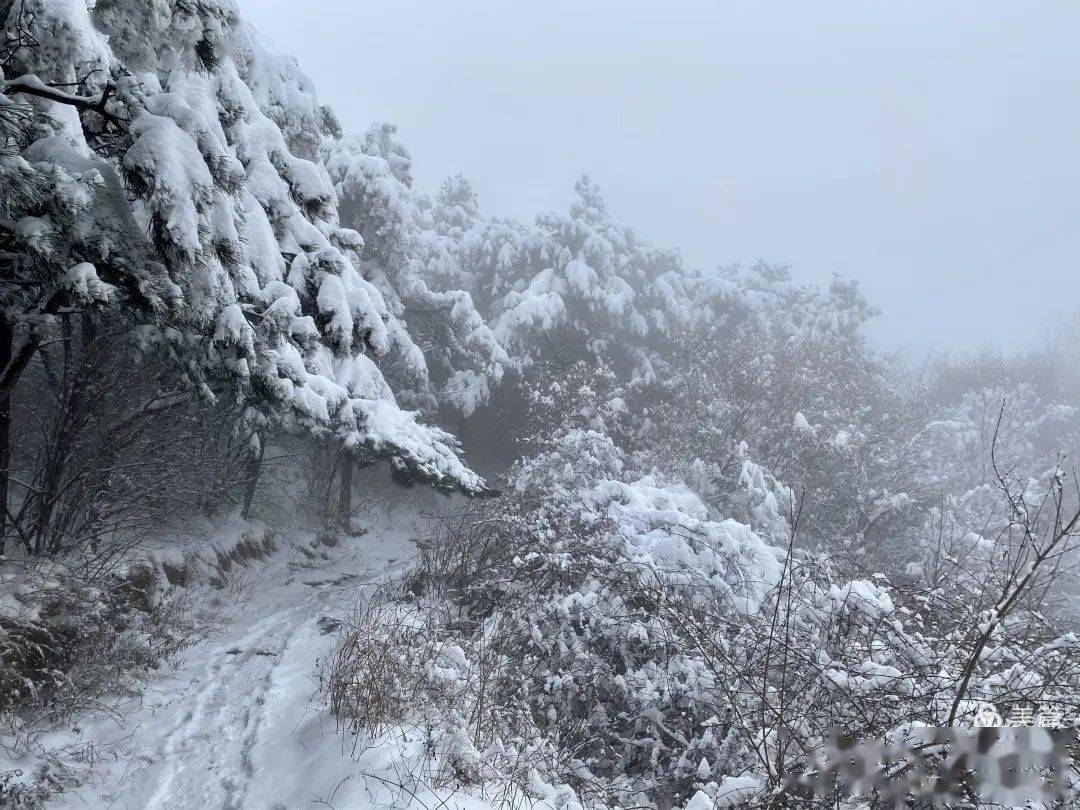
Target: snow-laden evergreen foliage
(164, 163)
(374, 184)
(584, 284)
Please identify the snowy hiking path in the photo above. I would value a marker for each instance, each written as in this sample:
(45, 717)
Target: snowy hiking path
(206, 757)
(231, 724)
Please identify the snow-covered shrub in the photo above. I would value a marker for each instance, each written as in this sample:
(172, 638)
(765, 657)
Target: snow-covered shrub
(624, 643)
(66, 640)
(815, 409)
(559, 598)
(630, 678)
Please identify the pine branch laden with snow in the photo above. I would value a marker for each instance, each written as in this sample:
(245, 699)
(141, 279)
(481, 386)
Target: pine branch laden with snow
(231, 254)
(585, 274)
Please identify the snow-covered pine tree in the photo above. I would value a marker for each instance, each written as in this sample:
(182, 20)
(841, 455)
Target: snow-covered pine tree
(169, 167)
(567, 287)
(734, 298)
(373, 179)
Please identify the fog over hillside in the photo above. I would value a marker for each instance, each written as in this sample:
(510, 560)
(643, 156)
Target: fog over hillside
(926, 151)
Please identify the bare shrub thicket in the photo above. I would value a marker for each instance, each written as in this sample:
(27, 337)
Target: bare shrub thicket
(104, 456)
(103, 450)
(400, 673)
(370, 681)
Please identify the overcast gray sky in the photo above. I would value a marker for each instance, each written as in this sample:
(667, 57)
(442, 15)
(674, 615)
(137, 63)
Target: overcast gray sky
(928, 149)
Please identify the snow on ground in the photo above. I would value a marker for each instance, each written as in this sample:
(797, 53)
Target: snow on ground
(232, 723)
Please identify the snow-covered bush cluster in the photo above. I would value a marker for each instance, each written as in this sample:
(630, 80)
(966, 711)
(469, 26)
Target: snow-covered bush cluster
(725, 525)
(621, 640)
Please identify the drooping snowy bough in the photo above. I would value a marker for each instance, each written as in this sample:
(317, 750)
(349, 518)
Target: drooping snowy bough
(162, 164)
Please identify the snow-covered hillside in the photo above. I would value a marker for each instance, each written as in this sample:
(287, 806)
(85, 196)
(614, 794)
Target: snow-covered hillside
(713, 523)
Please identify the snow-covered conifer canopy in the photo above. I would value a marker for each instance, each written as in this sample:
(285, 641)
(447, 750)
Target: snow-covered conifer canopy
(172, 167)
(175, 169)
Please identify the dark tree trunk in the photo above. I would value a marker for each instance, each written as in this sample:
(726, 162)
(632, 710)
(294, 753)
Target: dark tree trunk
(58, 444)
(345, 495)
(77, 387)
(254, 468)
(7, 339)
